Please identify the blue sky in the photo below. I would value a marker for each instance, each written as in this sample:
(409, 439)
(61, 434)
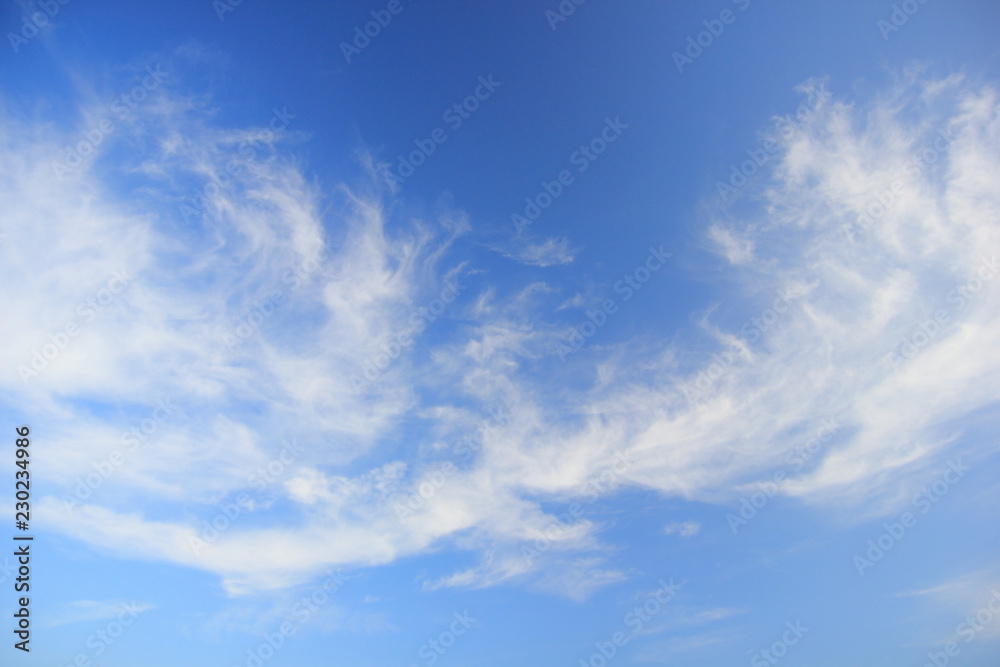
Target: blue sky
(509, 333)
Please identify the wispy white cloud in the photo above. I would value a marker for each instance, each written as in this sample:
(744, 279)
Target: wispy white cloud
(341, 284)
(717, 614)
(667, 649)
(550, 252)
(85, 611)
(972, 598)
(683, 529)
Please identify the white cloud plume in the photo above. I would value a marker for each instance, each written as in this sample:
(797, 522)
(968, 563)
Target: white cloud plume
(824, 332)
